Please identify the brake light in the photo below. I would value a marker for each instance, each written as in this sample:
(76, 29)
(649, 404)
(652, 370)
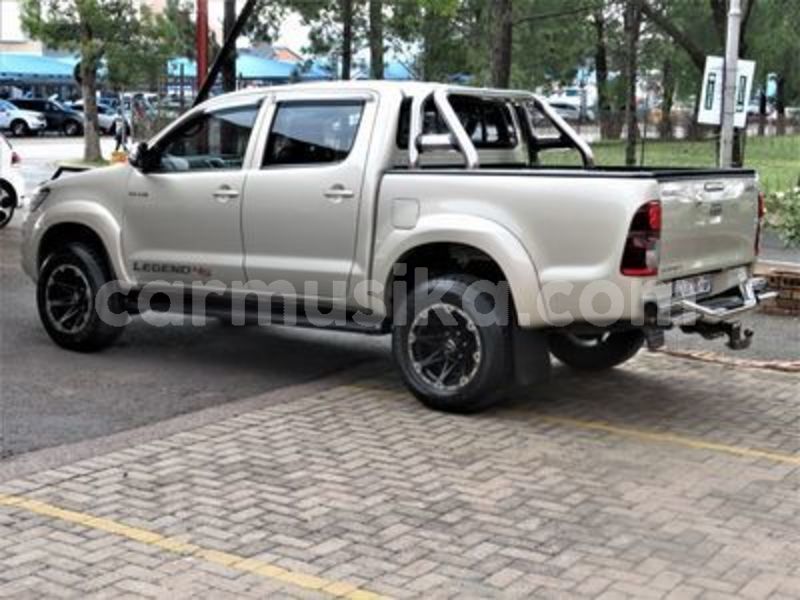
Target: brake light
(640, 258)
(762, 210)
(15, 158)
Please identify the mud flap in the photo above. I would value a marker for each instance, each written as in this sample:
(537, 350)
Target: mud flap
(531, 355)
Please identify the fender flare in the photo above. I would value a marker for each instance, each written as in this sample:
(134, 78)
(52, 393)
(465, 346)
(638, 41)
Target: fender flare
(488, 236)
(93, 216)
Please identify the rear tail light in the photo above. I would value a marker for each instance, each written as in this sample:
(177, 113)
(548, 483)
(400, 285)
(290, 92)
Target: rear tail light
(15, 158)
(762, 210)
(640, 258)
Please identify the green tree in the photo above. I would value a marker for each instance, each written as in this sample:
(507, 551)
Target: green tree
(92, 28)
(775, 46)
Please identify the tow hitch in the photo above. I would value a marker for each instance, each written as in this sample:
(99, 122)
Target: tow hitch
(738, 338)
(714, 317)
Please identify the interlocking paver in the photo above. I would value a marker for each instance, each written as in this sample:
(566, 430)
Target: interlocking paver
(362, 487)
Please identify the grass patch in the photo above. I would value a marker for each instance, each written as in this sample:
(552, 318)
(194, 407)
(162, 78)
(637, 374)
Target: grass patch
(777, 159)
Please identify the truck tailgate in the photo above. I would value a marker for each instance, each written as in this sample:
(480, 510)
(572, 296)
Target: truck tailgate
(708, 224)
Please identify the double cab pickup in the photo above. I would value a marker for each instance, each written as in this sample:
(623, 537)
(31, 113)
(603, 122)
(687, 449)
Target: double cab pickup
(421, 210)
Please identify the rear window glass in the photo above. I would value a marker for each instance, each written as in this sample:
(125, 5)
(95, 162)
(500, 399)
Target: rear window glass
(313, 132)
(488, 122)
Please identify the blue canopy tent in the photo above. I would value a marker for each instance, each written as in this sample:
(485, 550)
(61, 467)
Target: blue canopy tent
(36, 75)
(394, 70)
(252, 68)
(28, 69)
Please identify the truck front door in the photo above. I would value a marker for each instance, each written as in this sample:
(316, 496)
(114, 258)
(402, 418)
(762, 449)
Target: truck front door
(299, 218)
(182, 218)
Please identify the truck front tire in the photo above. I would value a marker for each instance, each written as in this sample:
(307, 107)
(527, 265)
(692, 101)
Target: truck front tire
(71, 305)
(452, 345)
(596, 352)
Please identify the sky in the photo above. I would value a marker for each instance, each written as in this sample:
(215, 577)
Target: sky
(294, 34)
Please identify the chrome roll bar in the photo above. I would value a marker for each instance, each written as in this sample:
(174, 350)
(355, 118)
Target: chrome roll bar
(462, 140)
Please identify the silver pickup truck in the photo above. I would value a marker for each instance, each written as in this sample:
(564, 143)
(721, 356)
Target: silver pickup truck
(417, 209)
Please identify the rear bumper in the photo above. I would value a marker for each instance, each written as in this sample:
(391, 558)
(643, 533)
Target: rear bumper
(732, 305)
(716, 315)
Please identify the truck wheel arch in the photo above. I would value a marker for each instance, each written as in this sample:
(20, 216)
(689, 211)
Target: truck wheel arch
(62, 234)
(471, 234)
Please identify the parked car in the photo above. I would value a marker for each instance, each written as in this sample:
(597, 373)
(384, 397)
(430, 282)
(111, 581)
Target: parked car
(416, 209)
(59, 118)
(106, 116)
(12, 186)
(20, 122)
(567, 111)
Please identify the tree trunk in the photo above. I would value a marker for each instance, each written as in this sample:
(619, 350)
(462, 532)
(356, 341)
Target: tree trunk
(762, 113)
(347, 37)
(376, 39)
(500, 45)
(91, 137)
(601, 70)
(665, 131)
(780, 104)
(228, 69)
(631, 26)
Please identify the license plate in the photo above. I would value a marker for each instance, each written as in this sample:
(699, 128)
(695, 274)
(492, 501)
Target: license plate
(691, 286)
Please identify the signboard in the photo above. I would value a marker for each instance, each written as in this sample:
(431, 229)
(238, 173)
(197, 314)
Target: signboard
(710, 112)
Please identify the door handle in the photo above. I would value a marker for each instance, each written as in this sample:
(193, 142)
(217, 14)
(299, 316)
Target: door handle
(225, 193)
(338, 193)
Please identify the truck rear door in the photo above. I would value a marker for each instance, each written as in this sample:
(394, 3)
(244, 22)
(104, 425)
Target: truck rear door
(709, 222)
(300, 211)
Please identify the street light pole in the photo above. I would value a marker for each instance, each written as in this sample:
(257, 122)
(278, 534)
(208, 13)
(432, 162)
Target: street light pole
(729, 84)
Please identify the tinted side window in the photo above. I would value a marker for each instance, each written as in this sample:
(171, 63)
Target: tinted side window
(312, 132)
(214, 140)
(487, 122)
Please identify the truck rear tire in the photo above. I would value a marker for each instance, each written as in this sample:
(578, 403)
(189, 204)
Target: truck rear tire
(596, 352)
(452, 345)
(71, 306)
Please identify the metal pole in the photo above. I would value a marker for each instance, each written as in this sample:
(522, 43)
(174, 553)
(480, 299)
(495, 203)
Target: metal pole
(729, 84)
(182, 83)
(205, 84)
(201, 40)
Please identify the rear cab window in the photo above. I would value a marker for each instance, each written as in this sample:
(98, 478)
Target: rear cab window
(490, 123)
(312, 132)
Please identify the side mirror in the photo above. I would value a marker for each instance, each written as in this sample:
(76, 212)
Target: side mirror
(143, 158)
(436, 141)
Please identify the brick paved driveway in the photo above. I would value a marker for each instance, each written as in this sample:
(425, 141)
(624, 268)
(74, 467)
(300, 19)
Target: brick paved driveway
(668, 478)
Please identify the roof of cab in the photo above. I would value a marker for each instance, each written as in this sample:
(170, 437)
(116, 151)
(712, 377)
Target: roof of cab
(407, 88)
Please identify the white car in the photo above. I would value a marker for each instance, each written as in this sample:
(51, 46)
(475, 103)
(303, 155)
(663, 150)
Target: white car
(571, 112)
(12, 186)
(106, 116)
(20, 122)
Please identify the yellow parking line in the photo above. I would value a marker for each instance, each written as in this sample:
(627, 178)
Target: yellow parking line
(640, 434)
(671, 438)
(174, 545)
